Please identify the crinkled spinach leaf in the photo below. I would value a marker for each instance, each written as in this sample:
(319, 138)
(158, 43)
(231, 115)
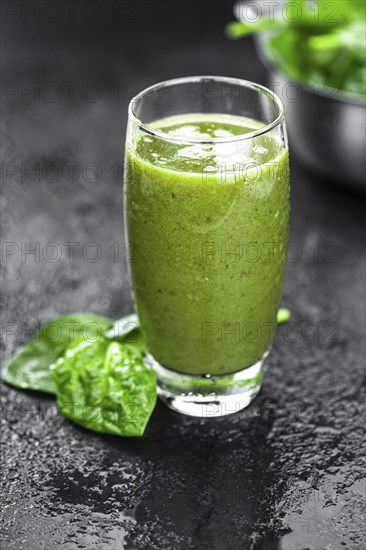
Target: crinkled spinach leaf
(105, 387)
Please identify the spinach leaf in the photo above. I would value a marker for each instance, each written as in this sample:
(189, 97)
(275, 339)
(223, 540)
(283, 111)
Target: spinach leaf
(283, 315)
(123, 327)
(127, 330)
(104, 386)
(237, 29)
(29, 368)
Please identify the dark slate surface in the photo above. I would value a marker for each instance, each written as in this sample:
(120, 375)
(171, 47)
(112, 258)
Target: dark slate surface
(284, 474)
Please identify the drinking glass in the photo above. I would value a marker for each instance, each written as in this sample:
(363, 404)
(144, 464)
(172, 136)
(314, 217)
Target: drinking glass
(206, 213)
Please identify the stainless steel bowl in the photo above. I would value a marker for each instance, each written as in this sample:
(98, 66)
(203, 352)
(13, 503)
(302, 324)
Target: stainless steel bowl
(327, 128)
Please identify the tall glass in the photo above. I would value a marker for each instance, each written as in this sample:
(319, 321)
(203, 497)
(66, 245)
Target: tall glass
(206, 210)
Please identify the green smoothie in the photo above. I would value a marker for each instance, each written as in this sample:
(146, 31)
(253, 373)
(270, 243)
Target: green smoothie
(207, 224)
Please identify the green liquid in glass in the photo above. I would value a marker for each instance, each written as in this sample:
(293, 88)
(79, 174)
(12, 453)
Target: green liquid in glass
(208, 227)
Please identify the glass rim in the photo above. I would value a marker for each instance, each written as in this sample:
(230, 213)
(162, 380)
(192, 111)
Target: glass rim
(150, 130)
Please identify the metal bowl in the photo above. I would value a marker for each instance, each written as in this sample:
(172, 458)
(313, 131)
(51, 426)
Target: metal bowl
(327, 128)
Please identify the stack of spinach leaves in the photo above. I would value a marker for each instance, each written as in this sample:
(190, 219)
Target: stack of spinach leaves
(95, 367)
(321, 42)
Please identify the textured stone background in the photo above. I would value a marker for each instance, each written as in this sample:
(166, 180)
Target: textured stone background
(286, 473)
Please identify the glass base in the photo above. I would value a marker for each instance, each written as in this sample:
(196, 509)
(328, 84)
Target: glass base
(208, 396)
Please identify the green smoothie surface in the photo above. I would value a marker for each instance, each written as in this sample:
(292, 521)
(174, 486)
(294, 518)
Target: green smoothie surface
(214, 151)
(207, 223)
